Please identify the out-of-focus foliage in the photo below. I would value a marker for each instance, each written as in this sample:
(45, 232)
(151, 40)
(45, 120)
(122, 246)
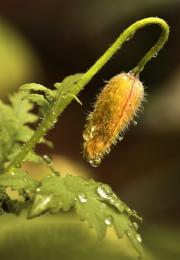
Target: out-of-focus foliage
(163, 112)
(18, 63)
(58, 237)
(163, 241)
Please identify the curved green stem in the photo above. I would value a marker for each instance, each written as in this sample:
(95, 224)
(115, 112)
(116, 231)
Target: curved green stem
(63, 100)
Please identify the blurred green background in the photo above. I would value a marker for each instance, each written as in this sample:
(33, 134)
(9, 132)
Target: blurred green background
(45, 40)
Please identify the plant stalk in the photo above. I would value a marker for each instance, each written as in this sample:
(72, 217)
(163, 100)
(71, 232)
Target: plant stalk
(63, 101)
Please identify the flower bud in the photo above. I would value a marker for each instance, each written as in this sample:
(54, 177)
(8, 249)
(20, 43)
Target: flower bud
(116, 106)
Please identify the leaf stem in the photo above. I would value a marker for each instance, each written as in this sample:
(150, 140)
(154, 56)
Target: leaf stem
(62, 101)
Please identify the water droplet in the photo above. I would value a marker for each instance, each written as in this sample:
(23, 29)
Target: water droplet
(120, 207)
(55, 173)
(92, 131)
(112, 201)
(135, 225)
(86, 136)
(108, 221)
(128, 210)
(138, 237)
(130, 37)
(38, 190)
(51, 99)
(155, 55)
(103, 192)
(120, 138)
(12, 173)
(46, 200)
(135, 123)
(82, 198)
(134, 212)
(124, 77)
(47, 159)
(129, 233)
(95, 162)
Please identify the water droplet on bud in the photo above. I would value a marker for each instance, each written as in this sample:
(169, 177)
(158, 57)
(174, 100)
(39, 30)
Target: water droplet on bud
(95, 162)
(120, 138)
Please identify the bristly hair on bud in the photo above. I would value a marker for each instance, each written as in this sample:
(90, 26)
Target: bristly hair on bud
(116, 106)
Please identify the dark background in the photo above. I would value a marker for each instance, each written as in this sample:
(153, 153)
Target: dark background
(67, 37)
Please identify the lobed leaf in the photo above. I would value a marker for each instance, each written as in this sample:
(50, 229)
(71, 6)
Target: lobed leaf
(14, 127)
(18, 180)
(92, 201)
(49, 94)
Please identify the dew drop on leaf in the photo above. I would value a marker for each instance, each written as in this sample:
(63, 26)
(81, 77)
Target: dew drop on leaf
(134, 211)
(82, 198)
(55, 173)
(138, 237)
(46, 201)
(108, 221)
(129, 233)
(47, 159)
(103, 193)
(135, 225)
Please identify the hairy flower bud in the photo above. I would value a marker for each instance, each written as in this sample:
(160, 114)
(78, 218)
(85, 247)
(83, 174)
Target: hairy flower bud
(116, 106)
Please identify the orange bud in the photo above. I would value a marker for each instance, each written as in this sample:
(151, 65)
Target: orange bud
(116, 106)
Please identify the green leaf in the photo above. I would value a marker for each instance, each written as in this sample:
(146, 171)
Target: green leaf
(67, 84)
(18, 180)
(49, 94)
(21, 109)
(14, 127)
(93, 201)
(39, 95)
